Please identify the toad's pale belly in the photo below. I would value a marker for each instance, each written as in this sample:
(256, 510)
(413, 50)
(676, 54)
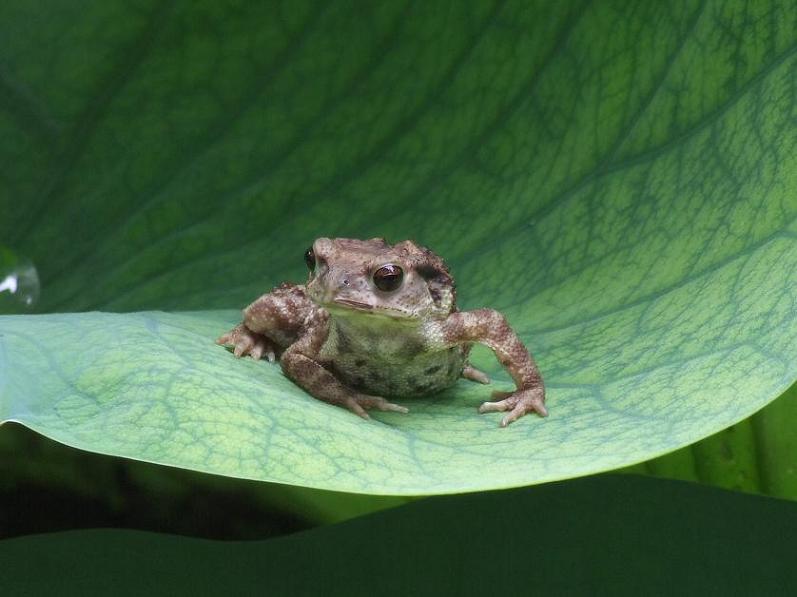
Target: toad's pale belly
(390, 360)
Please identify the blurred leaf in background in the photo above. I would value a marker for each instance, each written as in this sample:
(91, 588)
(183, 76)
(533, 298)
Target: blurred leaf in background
(609, 535)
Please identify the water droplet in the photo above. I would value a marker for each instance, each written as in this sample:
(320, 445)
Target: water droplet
(19, 283)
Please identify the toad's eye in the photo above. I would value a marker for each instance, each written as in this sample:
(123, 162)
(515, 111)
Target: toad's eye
(388, 277)
(309, 258)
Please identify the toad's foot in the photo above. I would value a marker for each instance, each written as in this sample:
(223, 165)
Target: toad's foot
(474, 374)
(359, 404)
(518, 403)
(244, 341)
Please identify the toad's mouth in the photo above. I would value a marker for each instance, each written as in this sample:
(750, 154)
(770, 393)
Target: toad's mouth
(341, 306)
(353, 304)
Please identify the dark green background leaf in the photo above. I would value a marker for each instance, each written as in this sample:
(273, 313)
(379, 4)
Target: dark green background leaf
(568, 538)
(617, 177)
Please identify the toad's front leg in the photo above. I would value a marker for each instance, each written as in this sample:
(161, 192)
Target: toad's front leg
(271, 323)
(489, 327)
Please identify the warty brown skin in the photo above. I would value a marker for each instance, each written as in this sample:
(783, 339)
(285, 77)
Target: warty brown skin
(377, 320)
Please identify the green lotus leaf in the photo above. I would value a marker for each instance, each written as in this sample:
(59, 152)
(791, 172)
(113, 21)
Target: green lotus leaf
(617, 178)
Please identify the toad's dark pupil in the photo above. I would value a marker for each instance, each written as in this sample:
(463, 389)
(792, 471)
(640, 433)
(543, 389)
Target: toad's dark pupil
(388, 277)
(309, 259)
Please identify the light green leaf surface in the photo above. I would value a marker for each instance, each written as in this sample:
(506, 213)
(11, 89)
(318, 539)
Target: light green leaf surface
(618, 178)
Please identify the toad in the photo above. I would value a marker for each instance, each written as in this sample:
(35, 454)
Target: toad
(377, 321)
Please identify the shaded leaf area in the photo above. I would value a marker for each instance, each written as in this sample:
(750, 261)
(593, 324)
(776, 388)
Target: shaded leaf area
(54, 487)
(153, 386)
(566, 538)
(616, 177)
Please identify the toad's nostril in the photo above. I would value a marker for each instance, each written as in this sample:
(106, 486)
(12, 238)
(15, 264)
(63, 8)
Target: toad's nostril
(345, 281)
